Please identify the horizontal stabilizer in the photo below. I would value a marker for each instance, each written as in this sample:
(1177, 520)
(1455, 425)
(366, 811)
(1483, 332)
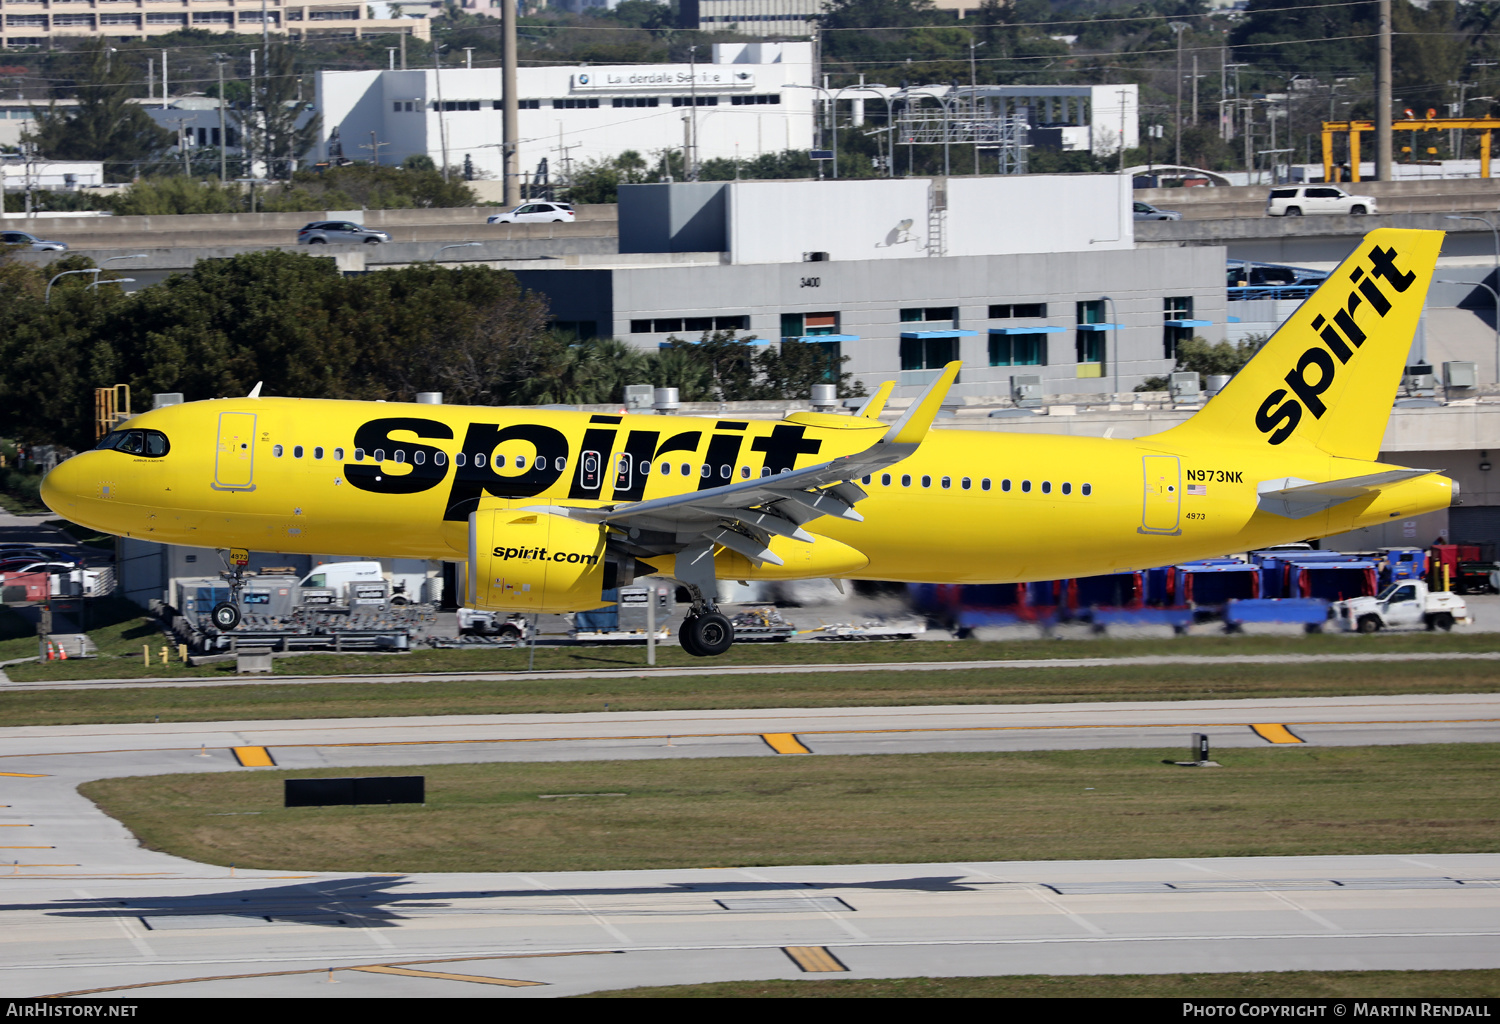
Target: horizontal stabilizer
(1294, 498)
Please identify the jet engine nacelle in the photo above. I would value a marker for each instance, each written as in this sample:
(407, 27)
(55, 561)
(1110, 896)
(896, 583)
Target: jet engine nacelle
(534, 561)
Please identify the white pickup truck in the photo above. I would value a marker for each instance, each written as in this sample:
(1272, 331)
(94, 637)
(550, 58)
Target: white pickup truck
(1407, 604)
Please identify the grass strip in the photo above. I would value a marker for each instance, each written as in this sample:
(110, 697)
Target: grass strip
(120, 632)
(873, 809)
(120, 644)
(282, 701)
(1230, 985)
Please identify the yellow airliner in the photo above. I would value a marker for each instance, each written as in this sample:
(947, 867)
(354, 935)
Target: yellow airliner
(546, 508)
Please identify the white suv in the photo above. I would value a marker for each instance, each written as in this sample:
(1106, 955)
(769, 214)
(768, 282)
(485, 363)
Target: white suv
(1310, 199)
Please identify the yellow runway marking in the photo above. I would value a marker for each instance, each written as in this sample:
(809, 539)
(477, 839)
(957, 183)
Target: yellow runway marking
(480, 740)
(324, 970)
(254, 757)
(11, 824)
(407, 972)
(1273, 733)
(814, 959)
(784, 743)
(22, 775)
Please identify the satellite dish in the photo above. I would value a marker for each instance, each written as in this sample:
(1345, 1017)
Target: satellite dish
(905, 225)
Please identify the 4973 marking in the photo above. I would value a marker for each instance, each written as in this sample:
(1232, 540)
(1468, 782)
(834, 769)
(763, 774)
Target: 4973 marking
(1220, 476)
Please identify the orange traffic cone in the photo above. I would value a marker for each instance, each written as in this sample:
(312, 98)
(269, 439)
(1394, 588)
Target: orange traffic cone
(62, 653)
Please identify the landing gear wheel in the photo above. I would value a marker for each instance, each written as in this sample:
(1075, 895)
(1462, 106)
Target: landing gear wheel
(710, 635)
(226, 616)
(687, 636)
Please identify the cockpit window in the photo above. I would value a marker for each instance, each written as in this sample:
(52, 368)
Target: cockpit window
(149, 443)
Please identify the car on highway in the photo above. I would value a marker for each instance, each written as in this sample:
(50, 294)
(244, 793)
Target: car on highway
(323, 232)
(31, 242)
(1295, 201)
(1145, 211)
(536, 213)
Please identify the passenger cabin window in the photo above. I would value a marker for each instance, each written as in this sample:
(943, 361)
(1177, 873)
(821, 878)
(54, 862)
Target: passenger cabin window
(297, 452)
(338, 455)
(277, 450)
(317, 453)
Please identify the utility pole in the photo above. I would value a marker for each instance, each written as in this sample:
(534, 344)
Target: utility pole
(1383, 148)
(403, 49)
(374, 147)
(219, 60)
(1178, 27)
(690, 172)
(1195, 89)
(164, 93)
(183, 132)
(249, 139)
(442, 121)
(974, 102)
(390, 54)
(468, 58)
(510, 135)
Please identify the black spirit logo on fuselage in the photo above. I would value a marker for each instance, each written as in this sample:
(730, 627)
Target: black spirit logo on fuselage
(476, 470)
(1316, 369)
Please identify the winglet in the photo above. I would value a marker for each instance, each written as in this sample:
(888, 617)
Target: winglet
(875, 404)
(255, 391)
(915, 422)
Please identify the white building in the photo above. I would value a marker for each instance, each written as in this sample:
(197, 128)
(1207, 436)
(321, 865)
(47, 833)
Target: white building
(753, 98)
(752, 17)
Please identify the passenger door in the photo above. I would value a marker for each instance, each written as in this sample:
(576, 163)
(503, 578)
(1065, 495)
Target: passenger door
(1162, 506)
(234, 461)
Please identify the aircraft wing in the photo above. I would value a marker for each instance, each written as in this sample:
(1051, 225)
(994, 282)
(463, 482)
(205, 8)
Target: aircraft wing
(744, 516)
(1293, 498)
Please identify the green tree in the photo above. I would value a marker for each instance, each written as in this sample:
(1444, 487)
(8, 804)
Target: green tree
(176, 195)
(273, 125)
(104, 125)
(1196, 355)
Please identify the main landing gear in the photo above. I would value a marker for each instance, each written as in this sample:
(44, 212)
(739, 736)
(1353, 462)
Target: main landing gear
(706, 635)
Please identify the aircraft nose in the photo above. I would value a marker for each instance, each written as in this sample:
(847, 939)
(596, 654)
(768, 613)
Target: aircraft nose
(68, 486)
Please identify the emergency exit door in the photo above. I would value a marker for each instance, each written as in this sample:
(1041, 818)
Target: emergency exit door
(1162, 507)
(234, 462)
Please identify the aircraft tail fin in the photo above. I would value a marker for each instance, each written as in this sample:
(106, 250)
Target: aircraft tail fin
(875, 404)
(1328, 376)
(915, 422)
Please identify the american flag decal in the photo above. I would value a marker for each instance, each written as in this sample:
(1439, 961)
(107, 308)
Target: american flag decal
(1198, 489)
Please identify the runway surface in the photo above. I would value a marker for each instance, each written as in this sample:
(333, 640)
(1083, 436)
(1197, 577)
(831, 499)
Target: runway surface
(83, 907)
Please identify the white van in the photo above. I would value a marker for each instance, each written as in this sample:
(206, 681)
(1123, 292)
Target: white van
(338, 575)
(406, 587)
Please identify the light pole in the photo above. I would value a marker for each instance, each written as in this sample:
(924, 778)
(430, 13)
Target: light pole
(460, 245)
(1494, 296)
(47, 300)
(110, 259)
(1493, 230)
